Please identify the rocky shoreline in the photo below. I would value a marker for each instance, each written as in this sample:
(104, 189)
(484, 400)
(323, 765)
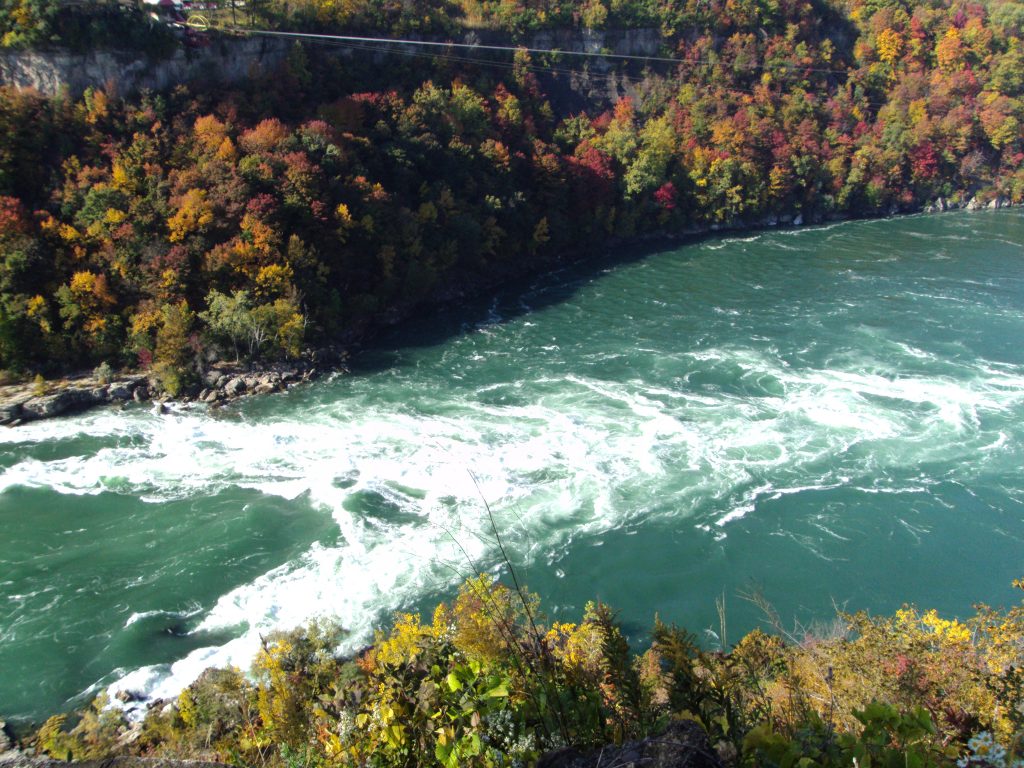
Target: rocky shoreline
(220, 384)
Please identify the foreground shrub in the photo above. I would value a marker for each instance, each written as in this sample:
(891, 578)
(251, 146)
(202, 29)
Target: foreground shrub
(490, 682)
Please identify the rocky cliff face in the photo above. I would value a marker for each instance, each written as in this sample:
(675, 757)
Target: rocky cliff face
(597, 80)
(230, 59)
(224, 61)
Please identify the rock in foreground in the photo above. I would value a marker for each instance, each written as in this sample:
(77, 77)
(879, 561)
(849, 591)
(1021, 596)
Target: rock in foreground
(683, 745)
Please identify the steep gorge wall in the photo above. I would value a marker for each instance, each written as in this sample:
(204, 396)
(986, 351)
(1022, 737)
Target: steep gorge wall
(225, 60)
(229, 59)
(579, 83)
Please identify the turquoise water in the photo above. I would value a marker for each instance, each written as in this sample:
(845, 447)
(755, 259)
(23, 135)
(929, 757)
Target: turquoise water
(826, 415)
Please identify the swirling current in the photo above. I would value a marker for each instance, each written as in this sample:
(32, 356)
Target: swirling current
(828, 415)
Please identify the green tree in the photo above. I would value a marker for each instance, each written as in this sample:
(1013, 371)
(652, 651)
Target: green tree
(657, 146)
(174, 357)
(228, 319)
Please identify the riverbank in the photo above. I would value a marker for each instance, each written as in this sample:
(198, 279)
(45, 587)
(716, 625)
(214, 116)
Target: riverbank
(224, 381)
(221, 383)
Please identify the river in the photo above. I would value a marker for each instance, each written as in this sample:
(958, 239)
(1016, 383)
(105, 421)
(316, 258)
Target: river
(827, 416)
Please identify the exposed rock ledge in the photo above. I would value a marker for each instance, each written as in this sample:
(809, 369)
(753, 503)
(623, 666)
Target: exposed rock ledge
(28, 402)
(219, 384)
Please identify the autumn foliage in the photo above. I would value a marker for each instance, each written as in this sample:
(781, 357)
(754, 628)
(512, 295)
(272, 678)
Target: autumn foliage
(490, 681)
(339, 191)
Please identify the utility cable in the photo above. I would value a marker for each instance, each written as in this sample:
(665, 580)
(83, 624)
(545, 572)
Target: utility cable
(396, 41)
(353, 43)
(436, 44)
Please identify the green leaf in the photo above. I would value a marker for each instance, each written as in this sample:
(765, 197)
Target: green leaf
(924, 720)
(454, 684)
(723, 722)
(442, 751)
(394, 735)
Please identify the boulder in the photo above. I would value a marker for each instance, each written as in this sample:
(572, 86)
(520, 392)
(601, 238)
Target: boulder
(141, 393)
(235, 387)
(41, 407)
(684, 744)
(212, 396)
(214, 379)
(798, 220)
(10, 412)
(973, 204)
(6, 743)
(56, 403)
(120, 390)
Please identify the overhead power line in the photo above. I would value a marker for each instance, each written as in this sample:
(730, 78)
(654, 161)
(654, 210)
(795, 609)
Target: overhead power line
(392, 41)
(470, 46)
(394, 46)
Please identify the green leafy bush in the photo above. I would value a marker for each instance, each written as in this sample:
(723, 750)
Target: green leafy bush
(490, 682)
